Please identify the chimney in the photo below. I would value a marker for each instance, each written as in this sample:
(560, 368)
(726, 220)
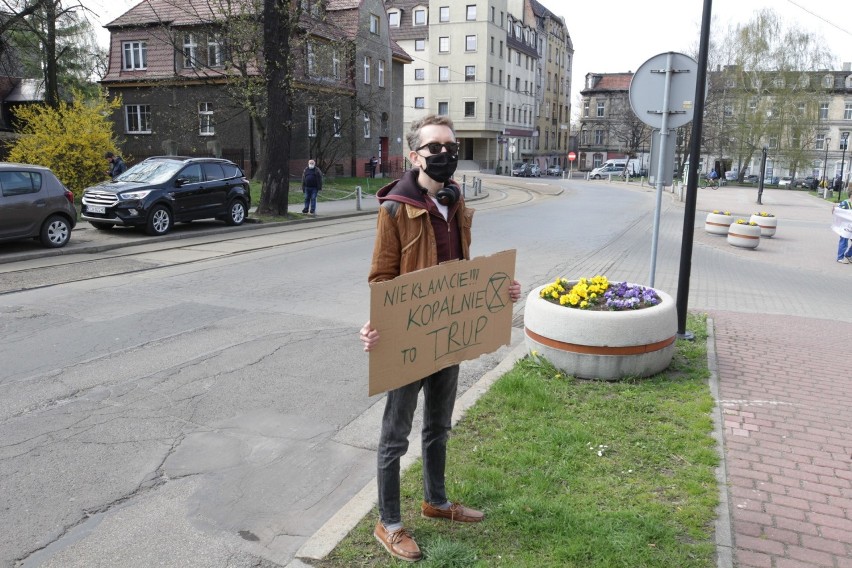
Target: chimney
(847, 65)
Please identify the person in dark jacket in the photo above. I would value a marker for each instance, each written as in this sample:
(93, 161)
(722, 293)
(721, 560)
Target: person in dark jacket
(116, 165)
(311, 185)
(422, 221)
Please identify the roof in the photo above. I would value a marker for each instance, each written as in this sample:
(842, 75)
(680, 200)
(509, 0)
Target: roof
(178, 13)
(609, 81)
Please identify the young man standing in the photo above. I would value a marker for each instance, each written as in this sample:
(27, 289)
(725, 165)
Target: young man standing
(116, 165)
(422, 222)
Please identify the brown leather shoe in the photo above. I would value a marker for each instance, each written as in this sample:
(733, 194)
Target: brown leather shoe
(399, 543)
(457, 512)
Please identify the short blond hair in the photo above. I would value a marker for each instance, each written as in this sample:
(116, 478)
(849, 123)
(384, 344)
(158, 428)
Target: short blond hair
(413, 136)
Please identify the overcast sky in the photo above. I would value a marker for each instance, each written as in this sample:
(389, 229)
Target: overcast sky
(622, 34)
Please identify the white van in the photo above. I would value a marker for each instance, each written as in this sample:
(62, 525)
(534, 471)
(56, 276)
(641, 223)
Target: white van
(608, 168)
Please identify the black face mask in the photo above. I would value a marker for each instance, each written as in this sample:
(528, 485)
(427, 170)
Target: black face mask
(441, 167)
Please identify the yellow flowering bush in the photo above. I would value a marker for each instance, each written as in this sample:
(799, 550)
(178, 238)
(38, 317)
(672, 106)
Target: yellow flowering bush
(598, 294)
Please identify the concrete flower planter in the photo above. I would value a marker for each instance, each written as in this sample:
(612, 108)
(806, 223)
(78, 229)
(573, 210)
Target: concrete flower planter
(744, 236)
(718, 223)
(608, 345)
(768, 225)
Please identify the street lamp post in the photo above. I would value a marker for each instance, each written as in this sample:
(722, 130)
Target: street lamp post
(762, 174)
(825, 163)
(844, 139)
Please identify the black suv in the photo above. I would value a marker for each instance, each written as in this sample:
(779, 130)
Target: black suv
(156, 193)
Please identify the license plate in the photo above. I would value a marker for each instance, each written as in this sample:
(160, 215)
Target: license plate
(95, 209)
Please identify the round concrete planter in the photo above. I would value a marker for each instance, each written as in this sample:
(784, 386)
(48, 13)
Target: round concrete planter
(768, 225)
(717, 223)
(604, 345)
(744, 236)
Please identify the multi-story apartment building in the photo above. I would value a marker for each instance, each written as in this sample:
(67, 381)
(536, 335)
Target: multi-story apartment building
(190, 79)
(553, 87)
(478, 62)
(800, 117)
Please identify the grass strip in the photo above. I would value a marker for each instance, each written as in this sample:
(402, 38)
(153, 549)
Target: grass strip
(573, 473)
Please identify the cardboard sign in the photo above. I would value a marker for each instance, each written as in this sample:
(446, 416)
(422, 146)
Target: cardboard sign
(433, 318)
(842, 222)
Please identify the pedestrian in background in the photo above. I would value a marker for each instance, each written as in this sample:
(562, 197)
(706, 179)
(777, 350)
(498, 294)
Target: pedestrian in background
(422, 221)
(373, 164)
(844, 251)
(116, 165)
(311, 186)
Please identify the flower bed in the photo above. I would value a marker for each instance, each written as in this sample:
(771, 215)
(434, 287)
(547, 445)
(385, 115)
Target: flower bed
(767, 222)
(594, 329)
(744, 234)
(717, 222)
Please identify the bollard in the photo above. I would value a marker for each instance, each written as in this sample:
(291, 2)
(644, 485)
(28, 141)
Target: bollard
(357, 198)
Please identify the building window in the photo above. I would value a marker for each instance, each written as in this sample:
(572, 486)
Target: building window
(374, 24)
(443, 44)
(729, 110)
(470, 43)
(312, 60)
(599, 137)
(393, 19)
(214, 51)
(420, 17)
(135, 55)
(601, 108)
(517, 84)
(335, 64)
(137, 119)
(419, 44)
(337, 124)
(492, 13)
(419, 74)
(419, 102)
(444, 14)
(470, 109)
(470, 72)
(499, 110)
(366, 125)
(381, 73)
(500, 76)
(367, 62)
(819, 143)
(490, 110)
(312, 121)
(470, 12)
(828, 81)
(773, 142)
(443, 73)
(585, 108)
(205, 119)
(823, 110)
(444, 108)
(190, 55)
(847, 112)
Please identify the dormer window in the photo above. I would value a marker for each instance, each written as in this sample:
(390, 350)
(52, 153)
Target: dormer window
(420, 16)
(189, 51)
(135, 55)
(828, 81)
(393, 19)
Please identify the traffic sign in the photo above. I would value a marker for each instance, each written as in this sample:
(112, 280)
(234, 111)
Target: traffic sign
(512, 149)
(572, 156)
(667, 79)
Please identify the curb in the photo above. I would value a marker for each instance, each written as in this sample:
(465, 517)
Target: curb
(326, 539)
(723, 526)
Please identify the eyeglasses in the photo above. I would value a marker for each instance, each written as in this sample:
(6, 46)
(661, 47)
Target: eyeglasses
(435, 147)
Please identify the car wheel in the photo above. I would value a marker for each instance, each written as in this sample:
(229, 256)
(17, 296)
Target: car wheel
(159, 221)
(55, 232)
(236, 212)
(101, 226)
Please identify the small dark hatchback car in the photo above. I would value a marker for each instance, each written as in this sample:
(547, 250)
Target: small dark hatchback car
(160, 191)
(34, 203)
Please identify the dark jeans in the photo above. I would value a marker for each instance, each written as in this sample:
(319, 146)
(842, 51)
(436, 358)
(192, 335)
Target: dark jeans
(310, 199)
(439, 393)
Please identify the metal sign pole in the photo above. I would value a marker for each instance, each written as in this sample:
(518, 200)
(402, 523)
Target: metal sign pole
(664, 133)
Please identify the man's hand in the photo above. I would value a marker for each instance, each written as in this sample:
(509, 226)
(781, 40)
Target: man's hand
(514, 291)
(369, 336)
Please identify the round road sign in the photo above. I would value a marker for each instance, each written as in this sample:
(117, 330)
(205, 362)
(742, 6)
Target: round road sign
(572, 156)
(647, 90)
(512, 149)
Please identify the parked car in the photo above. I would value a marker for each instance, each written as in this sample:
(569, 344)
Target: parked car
(519, 168)
(554, 170)
(809, 182)
(785, 181)
(534, 171)
(35, 204)
(156, 193)
(731, 175)
(753, 178)
(526, 169)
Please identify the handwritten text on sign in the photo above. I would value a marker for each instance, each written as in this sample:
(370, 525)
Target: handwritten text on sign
(437, 317)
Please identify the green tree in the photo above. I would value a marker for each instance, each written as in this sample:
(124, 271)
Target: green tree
(70, 139)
